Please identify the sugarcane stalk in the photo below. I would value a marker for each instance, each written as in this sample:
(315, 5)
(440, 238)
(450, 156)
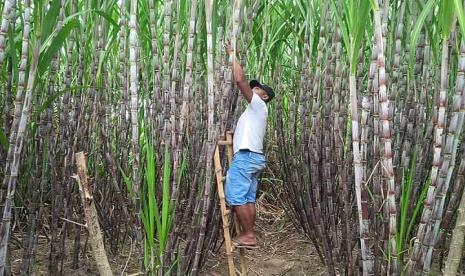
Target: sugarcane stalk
(133, 88)
(157, 96)
(18, 102)
(211, 134)
(8, 10)
(122, 74)
(15, 162)
(449, 160)
(424, 232)
(387, 161)
(166, 71)
(455, 190)
(456, 244)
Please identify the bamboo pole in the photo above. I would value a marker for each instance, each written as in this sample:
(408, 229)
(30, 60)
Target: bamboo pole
(95, 234)
(224, 213)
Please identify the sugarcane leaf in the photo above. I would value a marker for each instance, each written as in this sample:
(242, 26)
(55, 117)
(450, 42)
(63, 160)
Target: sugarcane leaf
(280, 35)
(151, 181)
(446, 17)
(301, 7)
(128, 183)
(108, 18)
(110, 5)
(183, 17)
(288, 20)
(13, 53)
(460, 15)
(183, 168)
(150, 206)
(418, 207)
(3, 140)
(316, 28)
(168, 272)
(105, 54)
(166, 197)
(429, 29)
(48, 102)
(55, 45)
(407, 184)
(416, 33)
(145, 221)
(74, 17)
(342, 24)
(360, 20)
(50, 18)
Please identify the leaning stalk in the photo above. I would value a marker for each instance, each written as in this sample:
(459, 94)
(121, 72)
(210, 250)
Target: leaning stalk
(18, 146)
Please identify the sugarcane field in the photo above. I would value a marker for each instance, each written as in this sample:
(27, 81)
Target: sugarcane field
(232, 137)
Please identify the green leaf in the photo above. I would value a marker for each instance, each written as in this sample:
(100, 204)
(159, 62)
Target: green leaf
(108, 18)
(153, 212)
(446, 16)
(418, 207)
(407, 184)
(166, 198)
(342, 24)
(50, 99)
(460, 15)
(50, 18)
(55, 45)
(3, 140)
(361, 14)
(416, 33)
(14, 54)
(374, 5)
(128, 182)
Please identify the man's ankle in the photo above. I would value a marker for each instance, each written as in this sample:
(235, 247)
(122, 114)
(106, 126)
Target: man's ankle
(249, 234)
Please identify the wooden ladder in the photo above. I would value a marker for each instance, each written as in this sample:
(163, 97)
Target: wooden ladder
(220, 179)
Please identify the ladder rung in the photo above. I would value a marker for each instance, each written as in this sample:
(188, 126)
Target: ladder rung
(225, 143)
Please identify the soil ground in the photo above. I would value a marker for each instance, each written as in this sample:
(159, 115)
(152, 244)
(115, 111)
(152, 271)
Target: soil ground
(123, 264)
(283, 250)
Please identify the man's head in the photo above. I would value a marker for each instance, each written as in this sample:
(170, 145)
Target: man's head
(263, 91)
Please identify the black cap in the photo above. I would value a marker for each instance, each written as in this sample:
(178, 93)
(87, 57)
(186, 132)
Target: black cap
(268, 90)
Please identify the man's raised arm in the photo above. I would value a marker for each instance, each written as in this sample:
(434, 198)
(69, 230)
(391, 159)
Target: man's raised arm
(239, 77)
(242, 82)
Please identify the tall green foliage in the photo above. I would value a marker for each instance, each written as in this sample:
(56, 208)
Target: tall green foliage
(327, 130)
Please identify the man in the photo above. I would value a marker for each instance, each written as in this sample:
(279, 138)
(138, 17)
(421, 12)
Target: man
(249, 159)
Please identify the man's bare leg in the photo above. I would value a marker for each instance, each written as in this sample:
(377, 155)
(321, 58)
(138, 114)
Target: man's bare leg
(246, 216)
(253, 211)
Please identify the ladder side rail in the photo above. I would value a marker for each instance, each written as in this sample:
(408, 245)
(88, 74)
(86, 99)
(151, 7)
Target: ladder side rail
(224, 213)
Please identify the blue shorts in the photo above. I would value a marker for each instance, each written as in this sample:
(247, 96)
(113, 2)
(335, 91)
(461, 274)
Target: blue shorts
(242, 178)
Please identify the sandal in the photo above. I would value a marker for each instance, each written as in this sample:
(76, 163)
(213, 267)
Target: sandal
(238, 244)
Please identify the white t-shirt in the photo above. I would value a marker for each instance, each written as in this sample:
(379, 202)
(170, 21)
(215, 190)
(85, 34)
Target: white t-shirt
(251, 126)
